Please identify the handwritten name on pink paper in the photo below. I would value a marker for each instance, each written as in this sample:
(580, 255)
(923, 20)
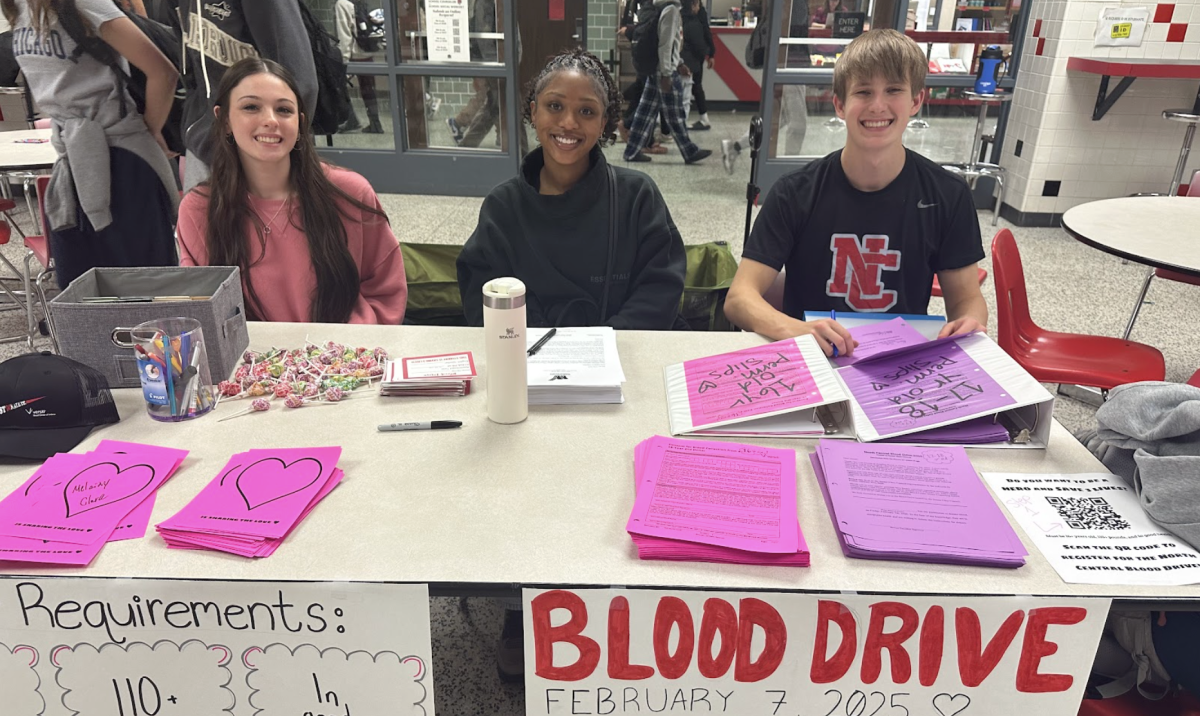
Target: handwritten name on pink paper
(82, 498)
(750, 382)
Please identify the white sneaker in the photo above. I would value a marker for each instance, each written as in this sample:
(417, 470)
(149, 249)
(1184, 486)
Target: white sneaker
(728, 154)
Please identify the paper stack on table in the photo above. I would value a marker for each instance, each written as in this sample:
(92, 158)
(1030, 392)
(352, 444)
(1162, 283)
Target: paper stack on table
(716, 502)
(75, 504)
(957, 390)
(449, 374)
(255, 501)
(778, 389)
(577, 366)
(915, 504)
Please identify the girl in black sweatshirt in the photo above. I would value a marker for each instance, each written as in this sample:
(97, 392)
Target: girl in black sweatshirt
(551, 226)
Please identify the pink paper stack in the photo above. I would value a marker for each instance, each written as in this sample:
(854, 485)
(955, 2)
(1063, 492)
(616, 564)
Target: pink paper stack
(706, 501)
(255, 502)
(75, 504)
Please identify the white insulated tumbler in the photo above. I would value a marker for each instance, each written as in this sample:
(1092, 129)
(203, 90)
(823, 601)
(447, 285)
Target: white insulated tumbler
(504, 325)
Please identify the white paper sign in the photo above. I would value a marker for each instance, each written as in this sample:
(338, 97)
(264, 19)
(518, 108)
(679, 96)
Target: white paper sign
(1121, 26)
(108, 647)
(749, 654)
(1092, 530)
(448, 27)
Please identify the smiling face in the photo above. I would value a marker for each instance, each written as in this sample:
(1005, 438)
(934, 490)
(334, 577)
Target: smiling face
(568, 115)
(876, 112)
(263, 118)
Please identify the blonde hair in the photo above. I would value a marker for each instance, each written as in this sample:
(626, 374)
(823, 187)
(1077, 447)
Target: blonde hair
(880, 53)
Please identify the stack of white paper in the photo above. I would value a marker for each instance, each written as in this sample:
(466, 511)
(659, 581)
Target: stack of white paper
(577, 366)
(432, 376)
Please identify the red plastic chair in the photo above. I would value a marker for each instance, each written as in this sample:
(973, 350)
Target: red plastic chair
(937, 287)
(1050, 357)
(1132, 704)
(1192, 190)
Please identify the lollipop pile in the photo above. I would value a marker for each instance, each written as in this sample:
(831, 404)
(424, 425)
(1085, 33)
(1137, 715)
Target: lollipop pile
(312, 375)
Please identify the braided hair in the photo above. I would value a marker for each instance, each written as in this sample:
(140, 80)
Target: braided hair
(590, 66)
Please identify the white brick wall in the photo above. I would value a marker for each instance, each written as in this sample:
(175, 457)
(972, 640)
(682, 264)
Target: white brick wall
(1132, 149)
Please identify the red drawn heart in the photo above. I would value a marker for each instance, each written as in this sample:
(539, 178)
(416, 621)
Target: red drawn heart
(122, 484)
(272, 479)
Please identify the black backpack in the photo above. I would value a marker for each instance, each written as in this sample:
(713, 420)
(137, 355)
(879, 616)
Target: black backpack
(645, 41)
(166, 39)
(364, 29)
(756, 46)
(333, 99)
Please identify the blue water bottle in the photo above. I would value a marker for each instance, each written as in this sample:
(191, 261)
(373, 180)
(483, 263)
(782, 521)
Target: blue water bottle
(989, 69)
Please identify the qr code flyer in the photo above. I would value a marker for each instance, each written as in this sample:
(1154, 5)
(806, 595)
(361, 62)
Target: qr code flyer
(1092, 529)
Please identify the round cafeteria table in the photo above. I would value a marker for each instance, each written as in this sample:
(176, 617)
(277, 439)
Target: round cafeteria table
(1151, 230)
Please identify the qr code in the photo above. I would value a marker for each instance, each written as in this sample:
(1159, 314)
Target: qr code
(1088, 513)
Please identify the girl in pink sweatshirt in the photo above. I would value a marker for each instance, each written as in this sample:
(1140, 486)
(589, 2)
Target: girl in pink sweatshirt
(310, 239)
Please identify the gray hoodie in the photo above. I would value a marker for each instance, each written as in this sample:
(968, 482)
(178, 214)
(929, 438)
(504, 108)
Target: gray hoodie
(670, 36)
(1158, 424)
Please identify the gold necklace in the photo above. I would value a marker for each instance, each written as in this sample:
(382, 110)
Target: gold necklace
(267, 226)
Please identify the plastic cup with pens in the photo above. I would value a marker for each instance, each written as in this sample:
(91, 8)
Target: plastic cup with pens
(173, 367)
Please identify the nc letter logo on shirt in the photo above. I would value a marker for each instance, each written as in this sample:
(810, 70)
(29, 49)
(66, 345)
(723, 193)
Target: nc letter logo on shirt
(858, 270)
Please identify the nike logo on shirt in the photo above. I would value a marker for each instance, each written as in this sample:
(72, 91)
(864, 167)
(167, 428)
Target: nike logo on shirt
(923, 205)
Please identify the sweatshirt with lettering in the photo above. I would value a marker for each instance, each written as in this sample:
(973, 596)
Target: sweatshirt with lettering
(217, 34)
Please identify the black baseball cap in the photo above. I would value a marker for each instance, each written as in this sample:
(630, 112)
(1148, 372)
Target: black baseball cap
(49, 404)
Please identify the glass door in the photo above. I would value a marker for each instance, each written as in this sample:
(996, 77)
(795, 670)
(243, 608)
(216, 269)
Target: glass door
(433, 87)
(799, 121)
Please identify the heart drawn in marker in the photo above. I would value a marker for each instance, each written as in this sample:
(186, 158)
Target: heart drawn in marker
(948, 705)
(272, 479)
(103, 484)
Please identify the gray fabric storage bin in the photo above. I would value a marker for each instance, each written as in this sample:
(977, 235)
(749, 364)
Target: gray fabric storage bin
(85, 330)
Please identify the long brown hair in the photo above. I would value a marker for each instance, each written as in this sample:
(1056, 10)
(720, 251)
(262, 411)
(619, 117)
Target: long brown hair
(42, 13)
(229, 208)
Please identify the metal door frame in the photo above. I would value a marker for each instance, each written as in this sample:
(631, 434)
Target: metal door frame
(771, 169)
(446, 171)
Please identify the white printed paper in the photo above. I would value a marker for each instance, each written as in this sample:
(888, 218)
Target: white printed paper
(448, 27)
(448, 365)
(1121, 26)
(626, 652)
(1092, 530)
(125, 647)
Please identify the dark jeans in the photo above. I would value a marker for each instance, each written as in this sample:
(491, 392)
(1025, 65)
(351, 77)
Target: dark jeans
(1176, 644)
(698, 89)
(142, 228)
(366, 88)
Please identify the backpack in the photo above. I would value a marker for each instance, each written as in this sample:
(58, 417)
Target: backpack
(645, 41)
(366, 35)
(167, 40)
(333, 98)
(756, 46)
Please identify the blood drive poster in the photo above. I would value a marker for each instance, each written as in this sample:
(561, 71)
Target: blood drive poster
(142, 647)
(759, 654)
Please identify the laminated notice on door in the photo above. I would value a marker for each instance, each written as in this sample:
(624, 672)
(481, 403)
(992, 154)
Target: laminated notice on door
(1121, 26)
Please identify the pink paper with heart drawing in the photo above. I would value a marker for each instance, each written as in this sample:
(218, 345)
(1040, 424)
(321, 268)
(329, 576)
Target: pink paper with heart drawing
(260, 493)
(20, 549)
(134, 524)
(87, 495)
(264, 547)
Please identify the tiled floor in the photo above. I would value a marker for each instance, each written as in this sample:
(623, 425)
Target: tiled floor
(1072, 288)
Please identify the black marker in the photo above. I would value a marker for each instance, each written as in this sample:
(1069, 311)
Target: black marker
(434, 425)
(542, 341)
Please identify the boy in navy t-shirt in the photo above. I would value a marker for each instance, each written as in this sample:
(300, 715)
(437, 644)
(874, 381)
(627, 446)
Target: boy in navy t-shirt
(864, 229)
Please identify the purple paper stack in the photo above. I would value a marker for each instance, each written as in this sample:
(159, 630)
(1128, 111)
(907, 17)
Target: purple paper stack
(914, 504)
(705, 501)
